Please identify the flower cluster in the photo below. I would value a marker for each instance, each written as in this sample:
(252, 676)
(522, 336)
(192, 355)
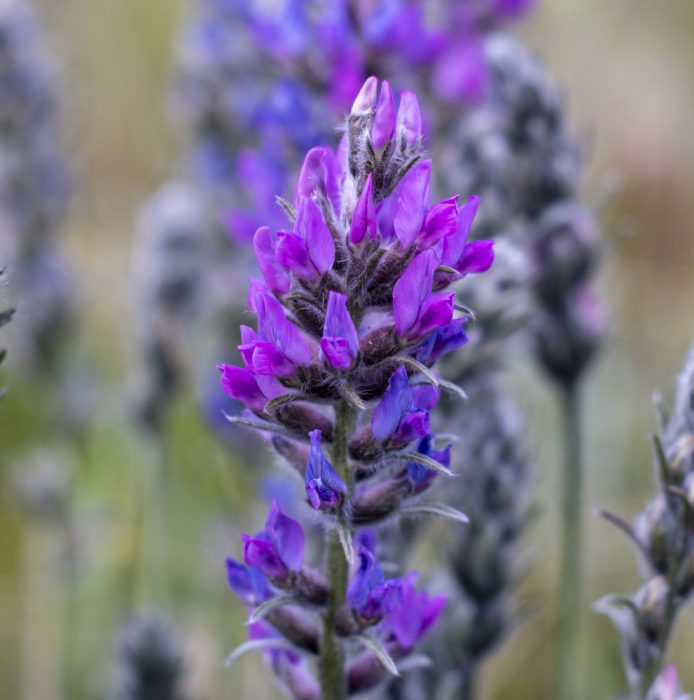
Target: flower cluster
(353, 312)
(514, 149)
(34, 188)
(274, 579)
(664, 538)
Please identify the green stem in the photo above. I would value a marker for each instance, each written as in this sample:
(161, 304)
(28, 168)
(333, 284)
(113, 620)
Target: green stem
(570, 586)
(331, 662)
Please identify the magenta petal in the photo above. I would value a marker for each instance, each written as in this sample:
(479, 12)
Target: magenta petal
(263, 554)
(240, 384)
(266, 359)
(265, 246)
(364, 218)
(277, 329)
(441, 222)
(288, 536)
(339, 324)
(436, 311)
(337, 352)
(477, 256)
(412, 202)
(292, 253)
(383, 126)
(312, 228)
(412, 290)
(454, 245)
(409, 118)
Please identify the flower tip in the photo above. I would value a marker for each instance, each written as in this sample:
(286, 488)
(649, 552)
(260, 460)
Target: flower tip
(409, 117)
(383, 126)
(365, 100)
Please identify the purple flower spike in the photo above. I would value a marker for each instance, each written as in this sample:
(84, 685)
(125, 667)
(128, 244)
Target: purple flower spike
(249, 583)
(383, 126)
(340, 342)
(309, 252)
(364, 219)
(409, 118)
(415, 309)
(365, 101)
(278, 549)
(396, 416)
(419, 476)
(442, 341)
(409, 621)
(324, 486)
(265, 246)
(412, 203)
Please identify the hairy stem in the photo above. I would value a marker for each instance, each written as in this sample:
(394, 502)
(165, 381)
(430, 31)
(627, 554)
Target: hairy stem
(572, 502)
(331, 663)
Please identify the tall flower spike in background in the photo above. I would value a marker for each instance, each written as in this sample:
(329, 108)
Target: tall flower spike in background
(663, 535)
(339, 370)
(5, 318)
(516, 152)
(34, 190)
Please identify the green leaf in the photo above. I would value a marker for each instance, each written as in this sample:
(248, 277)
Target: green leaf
(260, 425)
(288, 208)
(453, 388)
(380, 652)
(283, 400)
(439, 509)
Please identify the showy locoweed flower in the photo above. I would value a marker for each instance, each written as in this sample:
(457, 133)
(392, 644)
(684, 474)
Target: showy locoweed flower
(34, 189)
(353, 311)
(663, 535)
(149, 660)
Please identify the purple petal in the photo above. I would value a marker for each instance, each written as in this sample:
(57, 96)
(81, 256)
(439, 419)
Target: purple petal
(256, 287)
(337, 353)
(409, 118)
(414, 424)
(264, 358)
(367, 578)
(454, 245)
(424, 397)
(292, 253)
(420, 477)
(412, 202)
(277, 329)
(249, 584)
(394, 405)
(364, 218)
(441, 221)
(265, 246)
(338, 322)
(436, 311)
(318, 173)
(287, 535)
(412, 290)
(241, 385)
(383, 126)
(477, 256)
(312, 228)
(366, 99)
(442, 341)
(263, 554)
(324, 486)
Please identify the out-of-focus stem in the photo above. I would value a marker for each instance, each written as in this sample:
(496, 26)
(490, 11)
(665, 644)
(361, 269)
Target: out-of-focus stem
(572, 504)
(331, 663)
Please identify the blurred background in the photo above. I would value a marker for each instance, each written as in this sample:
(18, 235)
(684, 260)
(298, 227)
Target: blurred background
(67, 579)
